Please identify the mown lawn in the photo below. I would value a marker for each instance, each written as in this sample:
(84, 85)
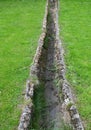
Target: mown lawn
(20, 28)
(75, 32)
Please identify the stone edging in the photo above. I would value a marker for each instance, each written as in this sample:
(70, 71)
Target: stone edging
(67, 92)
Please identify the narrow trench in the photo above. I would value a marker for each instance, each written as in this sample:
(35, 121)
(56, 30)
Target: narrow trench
(49, 101)
(47, 96)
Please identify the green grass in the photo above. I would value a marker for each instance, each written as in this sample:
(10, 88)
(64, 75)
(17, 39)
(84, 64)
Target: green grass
(75, 32)
(20, 28)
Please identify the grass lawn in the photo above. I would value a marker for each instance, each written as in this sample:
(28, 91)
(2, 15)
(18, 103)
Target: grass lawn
(75, 32)
(20, 28)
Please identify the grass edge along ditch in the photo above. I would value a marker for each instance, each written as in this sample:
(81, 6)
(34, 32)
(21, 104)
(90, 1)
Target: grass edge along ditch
(20, 27)
(75, 32)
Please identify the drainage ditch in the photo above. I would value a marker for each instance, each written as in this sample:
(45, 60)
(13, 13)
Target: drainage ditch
(48, 77)
(50, 101)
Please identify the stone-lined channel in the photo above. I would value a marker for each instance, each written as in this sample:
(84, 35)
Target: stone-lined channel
(49, 74)
(50, 104)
